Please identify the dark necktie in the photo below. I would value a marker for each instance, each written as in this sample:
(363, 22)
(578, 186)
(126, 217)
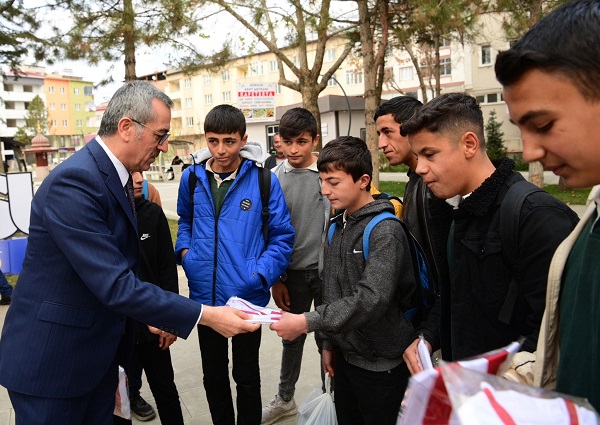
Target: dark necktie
(129, 192)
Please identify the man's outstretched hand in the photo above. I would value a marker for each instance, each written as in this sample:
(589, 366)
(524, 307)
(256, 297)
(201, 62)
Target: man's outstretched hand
(227, 321)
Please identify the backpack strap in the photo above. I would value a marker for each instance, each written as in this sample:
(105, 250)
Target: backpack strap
(192, 180)
(384, 215)
(510, 214)
(264, 183)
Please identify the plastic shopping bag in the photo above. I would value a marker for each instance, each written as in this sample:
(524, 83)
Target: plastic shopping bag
(483, 399)
(122, 407)
(318, 408)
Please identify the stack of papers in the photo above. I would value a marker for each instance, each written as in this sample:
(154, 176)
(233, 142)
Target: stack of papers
(257, 314)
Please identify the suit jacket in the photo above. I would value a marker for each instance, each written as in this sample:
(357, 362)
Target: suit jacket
(77, 287)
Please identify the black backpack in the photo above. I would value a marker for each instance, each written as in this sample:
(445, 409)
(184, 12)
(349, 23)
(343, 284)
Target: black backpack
(264, 183)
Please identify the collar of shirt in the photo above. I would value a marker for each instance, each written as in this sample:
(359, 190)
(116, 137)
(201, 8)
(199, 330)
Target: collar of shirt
(121, 170)
(232, 176)
(312, 167)
(455, 200)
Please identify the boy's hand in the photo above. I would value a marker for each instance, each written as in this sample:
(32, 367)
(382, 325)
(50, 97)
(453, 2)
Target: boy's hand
(290, 326)
(411, 357)
(328, 357)
(281, 296)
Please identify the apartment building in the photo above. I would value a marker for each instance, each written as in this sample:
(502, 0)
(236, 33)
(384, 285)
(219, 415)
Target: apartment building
(71, 115)
(16, 92)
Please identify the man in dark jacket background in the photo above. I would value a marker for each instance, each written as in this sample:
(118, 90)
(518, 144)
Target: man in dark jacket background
(447, 136)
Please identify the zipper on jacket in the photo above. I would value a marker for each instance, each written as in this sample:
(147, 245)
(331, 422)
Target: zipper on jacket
(216, 245)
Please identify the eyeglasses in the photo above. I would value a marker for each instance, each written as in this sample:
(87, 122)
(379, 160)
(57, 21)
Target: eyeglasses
(161, 137)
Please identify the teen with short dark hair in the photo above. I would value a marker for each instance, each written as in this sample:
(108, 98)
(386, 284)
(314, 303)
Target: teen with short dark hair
(447, 136)
(427, 217)
(551, 80)
(360, 320)
(309, 210)
(221, 247)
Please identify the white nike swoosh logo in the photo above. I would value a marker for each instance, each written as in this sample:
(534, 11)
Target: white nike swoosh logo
(144, 236)
(356, 252)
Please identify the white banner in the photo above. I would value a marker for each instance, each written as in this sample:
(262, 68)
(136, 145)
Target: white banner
(257, 101)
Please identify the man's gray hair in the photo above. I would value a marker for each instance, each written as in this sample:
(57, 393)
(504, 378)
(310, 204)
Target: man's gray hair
(133, 100)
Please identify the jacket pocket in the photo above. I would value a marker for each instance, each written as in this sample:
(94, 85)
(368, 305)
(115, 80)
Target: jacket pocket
(66, 315)
(486, 268)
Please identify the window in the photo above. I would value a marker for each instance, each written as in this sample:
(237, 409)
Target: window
(206, 79)
(332, 81)
(486, 55)
(188, 102)
(354, 77)
(79, 123)
(189, 121)
(88, 90)
(54, 123)
(11, 123)
(226, 96)
(10, 105)
(296, 60)
(187, 83)
(61, 90)
(444, 42)
(278, 89)
(406, 73)
(329, 55)
(445, 66)
(28, 89)
(78, 106)
(9, 87)
(50, 89)
(274, 66)
(225, 75)
(63, 106)
(208, 99)
(255, 69)
(489, 98)
(65, 123)
(76, 90)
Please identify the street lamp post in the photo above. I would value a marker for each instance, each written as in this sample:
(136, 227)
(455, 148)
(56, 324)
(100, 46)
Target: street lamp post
(347, 103)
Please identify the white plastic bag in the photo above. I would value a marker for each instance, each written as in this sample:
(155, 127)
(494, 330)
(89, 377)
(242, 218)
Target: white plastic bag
(122, 407)
(318, 408)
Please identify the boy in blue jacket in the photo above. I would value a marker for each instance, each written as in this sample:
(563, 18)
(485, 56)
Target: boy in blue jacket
(221, 246)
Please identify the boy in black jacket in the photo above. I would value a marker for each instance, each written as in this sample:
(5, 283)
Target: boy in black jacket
(158, 267)
(361, 320)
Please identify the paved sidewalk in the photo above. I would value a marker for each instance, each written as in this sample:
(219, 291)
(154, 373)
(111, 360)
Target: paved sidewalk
(188, 374)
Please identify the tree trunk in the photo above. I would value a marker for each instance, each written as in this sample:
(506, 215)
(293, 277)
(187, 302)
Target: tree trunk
(536, 174)
(310, 97)
(129, 40)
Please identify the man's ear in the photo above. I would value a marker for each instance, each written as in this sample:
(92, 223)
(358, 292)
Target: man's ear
(470, 144)
(126, 129)
(244, 140)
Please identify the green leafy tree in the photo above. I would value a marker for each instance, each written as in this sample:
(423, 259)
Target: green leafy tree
(18, 25)
(112, 29)
(420, 26)
(494, 137)
(309, 27)
(36, 116)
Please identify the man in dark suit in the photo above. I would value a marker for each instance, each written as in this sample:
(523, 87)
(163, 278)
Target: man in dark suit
(68, 327)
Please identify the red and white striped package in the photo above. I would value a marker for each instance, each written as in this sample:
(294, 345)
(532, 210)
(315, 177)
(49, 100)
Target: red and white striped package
(426, 401)
(470, 393)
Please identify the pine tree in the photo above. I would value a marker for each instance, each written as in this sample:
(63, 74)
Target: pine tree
(494, 135)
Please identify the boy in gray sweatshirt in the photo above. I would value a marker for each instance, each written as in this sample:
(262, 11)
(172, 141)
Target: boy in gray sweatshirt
(361, 320)
(309, 212)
